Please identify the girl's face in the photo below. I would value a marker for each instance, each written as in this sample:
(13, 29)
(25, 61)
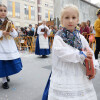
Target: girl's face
(70, 19)
(44, 22)
(98, 16)
(88, 22)
(82, 25)
(3, 12)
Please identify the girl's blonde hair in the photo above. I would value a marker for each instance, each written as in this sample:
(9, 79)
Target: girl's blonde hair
(2, 5)
(65, 8)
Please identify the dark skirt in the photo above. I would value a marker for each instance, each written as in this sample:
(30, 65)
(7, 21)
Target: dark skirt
(39, 51)
(10, 67)
(46, 90)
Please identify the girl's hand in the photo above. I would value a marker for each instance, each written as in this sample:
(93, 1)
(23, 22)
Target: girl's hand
(12, 30)
(84, 33)
(91, 77)
(5, 33)
(88, 54)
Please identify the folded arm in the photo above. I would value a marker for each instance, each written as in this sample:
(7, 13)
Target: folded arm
(66, 53)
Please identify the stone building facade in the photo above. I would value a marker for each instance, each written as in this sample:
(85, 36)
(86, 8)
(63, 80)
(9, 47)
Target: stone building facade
(25, 12)
(87, 10)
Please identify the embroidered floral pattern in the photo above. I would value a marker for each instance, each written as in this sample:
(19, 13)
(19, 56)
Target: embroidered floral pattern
(71, 38)
(2, 22)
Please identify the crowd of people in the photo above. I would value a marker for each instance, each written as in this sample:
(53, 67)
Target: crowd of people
(27, 31)
(32, 31)
(84, 28)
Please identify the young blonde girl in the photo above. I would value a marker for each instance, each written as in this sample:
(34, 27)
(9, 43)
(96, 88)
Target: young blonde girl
(10, 62)
(68, 79)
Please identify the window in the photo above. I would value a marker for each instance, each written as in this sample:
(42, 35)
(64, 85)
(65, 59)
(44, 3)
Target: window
(39, 1)
(26, 11)
(51, 5)
(32, 0)
(46, 14)
(51, 16)
(26, 0)
(0, 1)
(9, 6)
(39, 9)
(39, 17)
(46, 5)
(32, 13)
(17, 10)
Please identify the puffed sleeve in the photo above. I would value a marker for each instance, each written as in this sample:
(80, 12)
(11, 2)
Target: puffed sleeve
(14, 34)
(39, 30)
(67, 53)
(96, 26)
(1, 34)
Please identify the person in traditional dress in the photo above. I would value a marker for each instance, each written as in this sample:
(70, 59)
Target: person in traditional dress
(97, 35)
(42, 43)
(10, 61)
(68, 79)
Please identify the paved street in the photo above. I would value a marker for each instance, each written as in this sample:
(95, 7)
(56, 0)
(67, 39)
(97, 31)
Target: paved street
(30, 82)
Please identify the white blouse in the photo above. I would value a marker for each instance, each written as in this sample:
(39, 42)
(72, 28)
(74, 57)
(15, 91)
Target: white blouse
(8, 49)
(68, 80)
(43, 42)
(41, 27)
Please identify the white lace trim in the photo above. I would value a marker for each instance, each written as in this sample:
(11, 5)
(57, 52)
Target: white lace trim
(72, 94)
(87, 94)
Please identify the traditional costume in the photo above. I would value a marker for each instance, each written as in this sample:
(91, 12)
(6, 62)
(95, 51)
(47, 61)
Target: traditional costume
(10, 62)
(42, 43)
(68, 80)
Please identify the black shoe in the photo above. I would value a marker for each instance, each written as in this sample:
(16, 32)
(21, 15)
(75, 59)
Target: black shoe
(44, 56)
(5, 85)
(8, 79)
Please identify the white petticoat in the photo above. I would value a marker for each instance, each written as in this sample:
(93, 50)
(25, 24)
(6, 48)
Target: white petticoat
(68, 80)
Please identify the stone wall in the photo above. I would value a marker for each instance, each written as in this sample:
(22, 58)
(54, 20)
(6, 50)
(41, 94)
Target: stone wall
(87, 10)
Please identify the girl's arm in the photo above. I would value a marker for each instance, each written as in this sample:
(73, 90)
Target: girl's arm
(14, 33)
(39, 30)
(3, 33)
(66, 53)
(48, 32)
(86, 45)
(91, 29)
